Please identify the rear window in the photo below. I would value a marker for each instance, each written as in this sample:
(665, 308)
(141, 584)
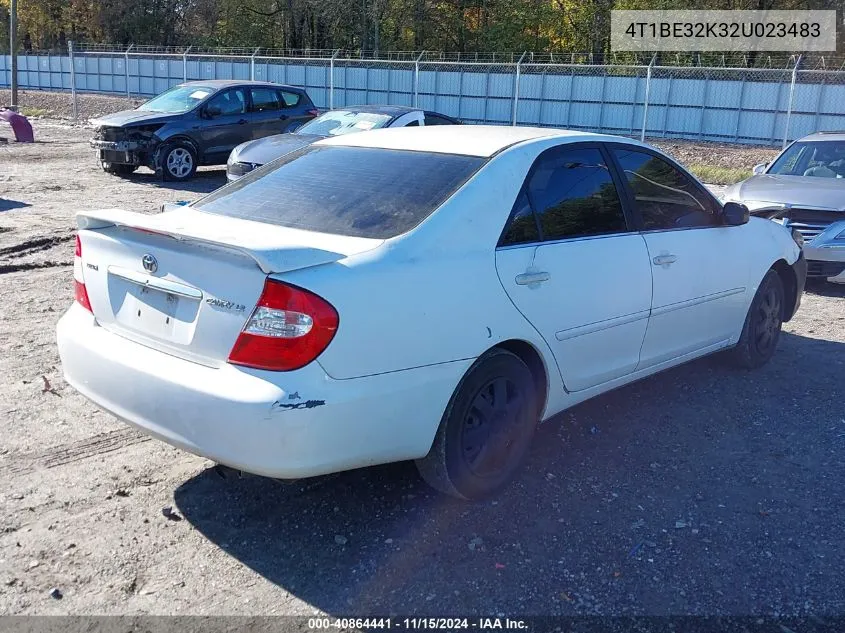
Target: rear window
(355, 191)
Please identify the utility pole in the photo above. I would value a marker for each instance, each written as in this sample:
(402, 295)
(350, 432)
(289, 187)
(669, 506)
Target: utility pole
(13, 51)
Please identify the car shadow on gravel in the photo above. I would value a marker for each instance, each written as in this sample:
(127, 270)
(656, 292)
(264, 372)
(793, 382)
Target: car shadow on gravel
(204, 181)
(661, 497)
(825, 289)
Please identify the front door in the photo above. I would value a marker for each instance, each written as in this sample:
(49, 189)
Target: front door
(225, 123)
(699, 273)
(571, 264)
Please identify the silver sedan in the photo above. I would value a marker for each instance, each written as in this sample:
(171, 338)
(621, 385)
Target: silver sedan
(804, 189)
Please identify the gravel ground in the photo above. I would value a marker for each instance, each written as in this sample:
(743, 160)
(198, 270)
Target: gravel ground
(702, 490)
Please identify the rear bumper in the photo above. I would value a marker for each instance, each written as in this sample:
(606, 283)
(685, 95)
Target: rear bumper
(278, 424)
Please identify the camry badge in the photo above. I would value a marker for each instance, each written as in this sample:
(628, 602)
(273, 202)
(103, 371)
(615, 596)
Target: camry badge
(149, 262)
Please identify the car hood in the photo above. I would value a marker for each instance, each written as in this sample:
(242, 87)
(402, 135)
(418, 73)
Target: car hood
(263, 150)
(796, 191)
(132, 117)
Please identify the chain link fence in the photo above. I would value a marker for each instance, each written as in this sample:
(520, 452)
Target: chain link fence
(671, 97)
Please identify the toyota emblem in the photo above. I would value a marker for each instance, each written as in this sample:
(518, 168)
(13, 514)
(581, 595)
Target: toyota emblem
(149, 262)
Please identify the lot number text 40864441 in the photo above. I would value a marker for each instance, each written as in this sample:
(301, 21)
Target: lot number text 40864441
(413, 624)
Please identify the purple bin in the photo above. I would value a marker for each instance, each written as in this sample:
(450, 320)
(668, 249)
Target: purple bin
(20, 126)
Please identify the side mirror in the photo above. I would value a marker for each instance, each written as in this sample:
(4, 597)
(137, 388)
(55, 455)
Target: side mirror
(209, 112)
(734, 214)
(759, 169)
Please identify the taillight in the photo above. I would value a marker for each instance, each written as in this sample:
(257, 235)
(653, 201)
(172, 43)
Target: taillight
(313, 112)
(80, 294)
(288, 329)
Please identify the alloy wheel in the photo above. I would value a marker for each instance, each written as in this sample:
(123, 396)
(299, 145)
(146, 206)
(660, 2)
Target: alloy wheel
(179, 162)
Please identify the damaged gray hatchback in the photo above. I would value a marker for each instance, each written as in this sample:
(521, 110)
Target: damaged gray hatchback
(196, 123)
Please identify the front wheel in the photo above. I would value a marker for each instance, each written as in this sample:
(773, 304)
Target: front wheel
(761, 331)
(486, 429)
(178, 161)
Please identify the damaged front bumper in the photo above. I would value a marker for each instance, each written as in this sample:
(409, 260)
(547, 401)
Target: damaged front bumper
(120, 147)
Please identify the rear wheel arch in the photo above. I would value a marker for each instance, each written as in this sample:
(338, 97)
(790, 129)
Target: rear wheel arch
(790, 286)
(529, 355)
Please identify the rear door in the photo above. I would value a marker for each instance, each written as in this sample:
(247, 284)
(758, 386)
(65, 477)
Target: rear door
(273, 111)
(266, 111)
(571, 263)
(700, 274)
(226, 123)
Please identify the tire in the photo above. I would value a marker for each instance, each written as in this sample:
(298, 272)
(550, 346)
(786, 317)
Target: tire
(118, 169)
(481, 442)
(178, 161)
(761, 331)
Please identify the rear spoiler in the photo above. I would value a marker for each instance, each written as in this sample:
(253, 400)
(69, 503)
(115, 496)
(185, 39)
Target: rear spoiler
(274, 249)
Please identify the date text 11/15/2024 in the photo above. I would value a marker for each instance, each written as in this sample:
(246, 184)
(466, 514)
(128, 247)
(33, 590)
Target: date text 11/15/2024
(415, 624)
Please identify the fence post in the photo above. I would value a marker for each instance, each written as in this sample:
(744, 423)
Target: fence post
(126, 68)
(791, 97)
(645, 101)
(185, 63)
(516, 89)
(331, 78)
(417, 78)
(72, 80)
(252, 64)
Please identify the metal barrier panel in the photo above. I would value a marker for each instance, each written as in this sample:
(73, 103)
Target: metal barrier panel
(741, 105)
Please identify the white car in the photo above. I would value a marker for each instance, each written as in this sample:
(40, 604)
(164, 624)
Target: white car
(426, 294)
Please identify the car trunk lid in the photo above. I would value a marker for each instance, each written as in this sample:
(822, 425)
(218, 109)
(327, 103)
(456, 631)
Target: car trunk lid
(185, 282)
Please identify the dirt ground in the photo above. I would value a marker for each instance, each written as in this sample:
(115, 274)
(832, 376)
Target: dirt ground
(702, 490)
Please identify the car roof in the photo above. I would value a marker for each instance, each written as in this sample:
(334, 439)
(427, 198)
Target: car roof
(229, 83)
(469, 140)
(824, 136)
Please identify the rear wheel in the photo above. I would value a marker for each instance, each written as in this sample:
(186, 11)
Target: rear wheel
(486, 429)
(119, 169)
(178, 161)
(761, 331)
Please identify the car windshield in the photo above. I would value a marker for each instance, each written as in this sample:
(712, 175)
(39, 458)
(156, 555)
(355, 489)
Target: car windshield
(177, 99)
(355, 191)
(819, 159)
(337, 122)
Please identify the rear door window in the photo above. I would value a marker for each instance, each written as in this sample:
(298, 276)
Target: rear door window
(355, 191)
(434, 119)
(573, 194)
(264, 99)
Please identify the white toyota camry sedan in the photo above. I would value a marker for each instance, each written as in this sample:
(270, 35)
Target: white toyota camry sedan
(423, 293)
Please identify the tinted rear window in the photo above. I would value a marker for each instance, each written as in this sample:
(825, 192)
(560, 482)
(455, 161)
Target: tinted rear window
(355, 191)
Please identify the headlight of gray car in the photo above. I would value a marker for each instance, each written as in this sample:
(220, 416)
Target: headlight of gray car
(239, 169)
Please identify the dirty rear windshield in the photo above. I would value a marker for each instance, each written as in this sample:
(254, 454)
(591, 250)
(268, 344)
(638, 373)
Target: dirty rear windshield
(355, 191)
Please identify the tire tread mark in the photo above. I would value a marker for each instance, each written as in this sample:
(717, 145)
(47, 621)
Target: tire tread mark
(99, 444)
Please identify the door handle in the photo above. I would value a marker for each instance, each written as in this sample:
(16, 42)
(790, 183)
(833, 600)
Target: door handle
(664, 260)
(531, 278)
(242, 122)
